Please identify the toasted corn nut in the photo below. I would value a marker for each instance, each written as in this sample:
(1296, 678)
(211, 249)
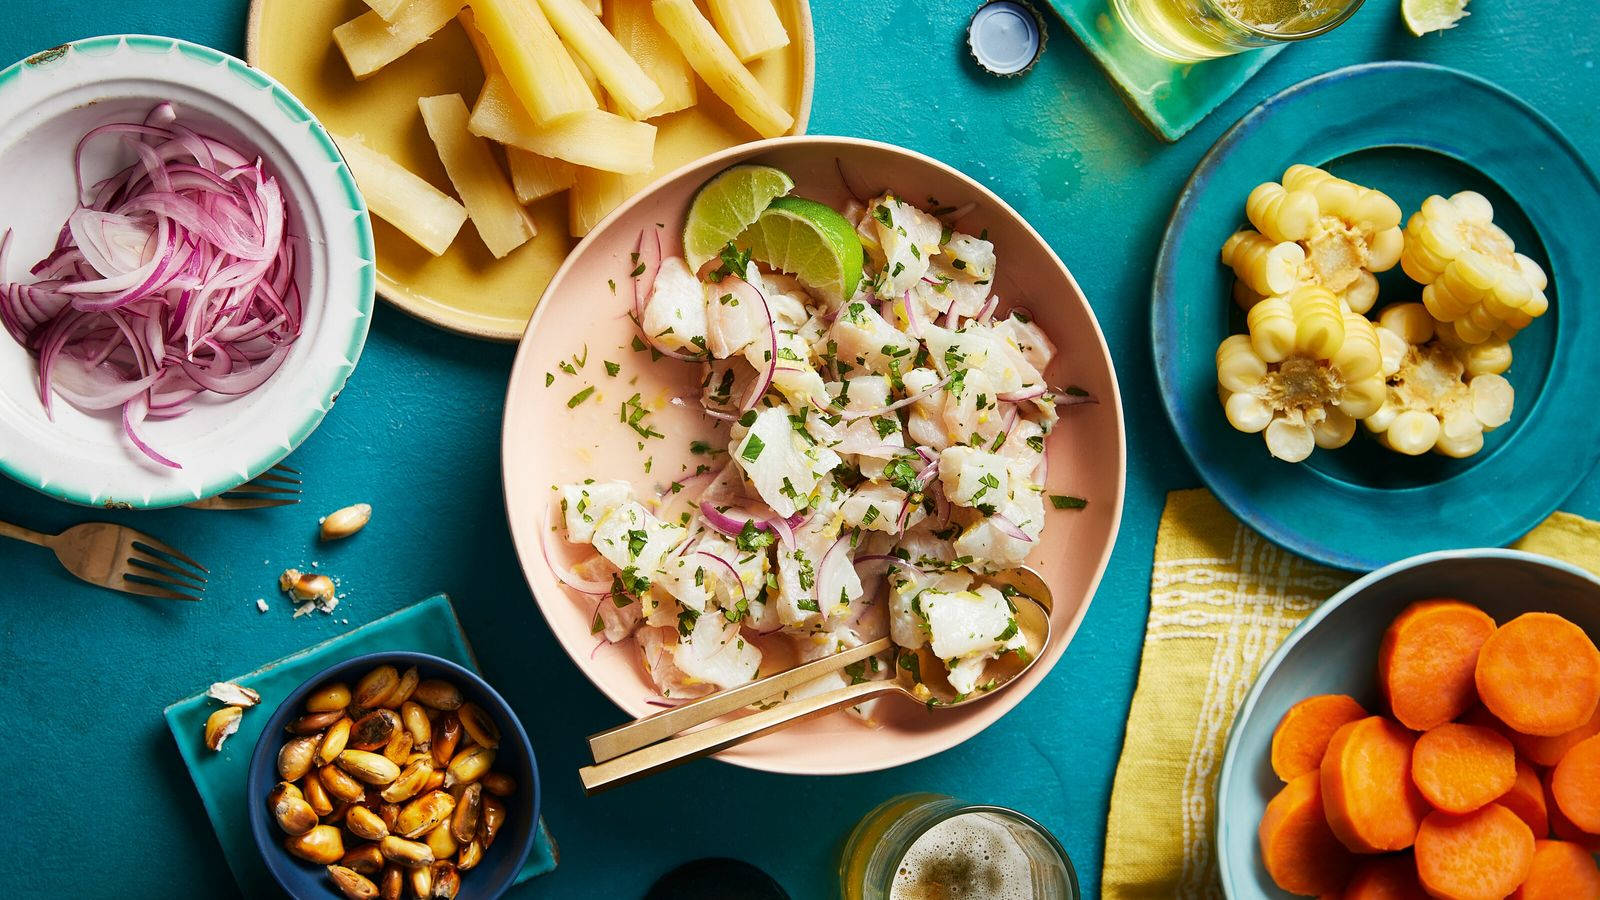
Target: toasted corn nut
(233, 694)
(399, 749)
(364, 859)
(446, 735)
(342, 523)
(479, 725)
(289, 807)
(375, 687)
(413, 778)
(392, 883)
(334, 741)
(312, 723)
(436, 693)
(499, 784)
(295, 758)
(446, 880)
(304, 586)
(435, 781)
(322, 845)
(421, 878)
(365, 824)
(332, 697)
(374, 730)
(316, 795)
(341, 786)
(372, 768)
(468, 766)
(390, 813)
(470, 854)
(221, 725)
(415, 720)
(424, 814)
(404, 689)
(441, 842)
(352, 883)
(490, 820)
(404, 852)
(464, 818)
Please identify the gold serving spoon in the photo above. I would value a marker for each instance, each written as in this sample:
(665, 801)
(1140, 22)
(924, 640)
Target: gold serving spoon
(641, 748)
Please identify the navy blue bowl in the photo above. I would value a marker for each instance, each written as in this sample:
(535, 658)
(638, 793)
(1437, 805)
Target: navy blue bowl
(490, 878)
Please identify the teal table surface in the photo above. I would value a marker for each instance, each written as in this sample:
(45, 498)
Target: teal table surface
(105, 808)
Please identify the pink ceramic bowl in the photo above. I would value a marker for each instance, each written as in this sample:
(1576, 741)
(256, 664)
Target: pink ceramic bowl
(582, 319)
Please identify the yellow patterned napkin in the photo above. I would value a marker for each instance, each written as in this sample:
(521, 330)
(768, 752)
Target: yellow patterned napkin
(1222, 598)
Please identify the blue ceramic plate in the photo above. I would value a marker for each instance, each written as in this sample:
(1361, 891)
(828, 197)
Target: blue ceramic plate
(1335, 650)
(1410, 130)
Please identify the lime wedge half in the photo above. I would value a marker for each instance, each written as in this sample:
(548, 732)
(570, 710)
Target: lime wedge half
(810, 241)
(1423, 16)
(726, 205)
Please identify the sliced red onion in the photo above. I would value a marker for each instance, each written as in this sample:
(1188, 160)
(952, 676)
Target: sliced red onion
(913, 324)
(733, 526)
(1065, 399)
(853, 184)
(1030, 392)
(1009, 528)
(173, 278)
(564, 574)
(827, 583)
(735, 284)
(957, 214)
(719, 414)
(890, 558)
(664, 704)
(880, 410)
(987, 310)
(733, 572)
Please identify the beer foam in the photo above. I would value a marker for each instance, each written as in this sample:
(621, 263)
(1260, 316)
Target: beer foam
(968, 857)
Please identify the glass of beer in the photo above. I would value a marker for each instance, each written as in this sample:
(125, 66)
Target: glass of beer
(1194, 30)
(934, 847)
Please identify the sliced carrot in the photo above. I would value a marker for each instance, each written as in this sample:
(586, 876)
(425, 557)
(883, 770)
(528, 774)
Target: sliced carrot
(1482, 718)
(1547, 751)
(1482, 855)
(1575, 782)
(1297, 847)
(1426, 661)
(1539, 674)
(1561, 826)
(1386, 878)
(1560, 871)
(1526, 799)
(1459, 768)
(1304, 731)
(1371, 802)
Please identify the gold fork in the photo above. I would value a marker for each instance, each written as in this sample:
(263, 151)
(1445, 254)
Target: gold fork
(119, 558)
(273, 487)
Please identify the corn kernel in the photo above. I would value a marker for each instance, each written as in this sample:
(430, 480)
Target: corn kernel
(1239, 368)
(1280, 214)
(1269, 267)
(1272, 329)
(1318, 322)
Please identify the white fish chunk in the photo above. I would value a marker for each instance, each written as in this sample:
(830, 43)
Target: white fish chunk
(675, 317)
(584, 505)
(781, 461)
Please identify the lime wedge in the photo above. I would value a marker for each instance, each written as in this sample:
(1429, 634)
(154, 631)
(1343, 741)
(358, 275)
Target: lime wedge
(810, 241)
(1423, 16)
(726, 205)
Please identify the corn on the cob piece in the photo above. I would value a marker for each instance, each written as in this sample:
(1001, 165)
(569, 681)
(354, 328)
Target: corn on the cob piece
(1443, 395)
(1304, 374)
(1364, 207)
(1472, 274)
(1281, 214)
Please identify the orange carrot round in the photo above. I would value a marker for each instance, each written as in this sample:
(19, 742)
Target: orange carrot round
(1547, 751)
(1299, 851)
(1575, 782)
(1386, 878)
(1482, 855)
(1304, 731)
(1426, 661)
(1459, 768)
(1526, 799)
(1367, 791)
(1560, 871)
(1561, 827)
(1539, 674)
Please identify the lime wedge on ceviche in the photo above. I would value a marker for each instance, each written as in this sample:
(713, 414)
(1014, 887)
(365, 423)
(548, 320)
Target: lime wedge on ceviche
(810, 241)
(726, 205)
(1423, 16)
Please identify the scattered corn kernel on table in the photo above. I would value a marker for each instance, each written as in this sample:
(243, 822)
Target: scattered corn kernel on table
(416, 434)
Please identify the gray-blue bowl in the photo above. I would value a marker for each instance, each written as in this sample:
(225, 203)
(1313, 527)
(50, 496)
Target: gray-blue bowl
(1336, 651)
(501, 863)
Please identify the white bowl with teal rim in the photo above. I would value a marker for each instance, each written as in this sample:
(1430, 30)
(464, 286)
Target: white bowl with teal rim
(47, 103)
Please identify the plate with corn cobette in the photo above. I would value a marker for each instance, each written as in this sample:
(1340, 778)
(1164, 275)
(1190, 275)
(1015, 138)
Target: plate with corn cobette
(490, 136)
(1358, 320)
(797, 398)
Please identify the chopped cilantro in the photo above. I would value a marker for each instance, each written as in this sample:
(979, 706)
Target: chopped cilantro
(752, 448)
(1060, 501)
(579, 397)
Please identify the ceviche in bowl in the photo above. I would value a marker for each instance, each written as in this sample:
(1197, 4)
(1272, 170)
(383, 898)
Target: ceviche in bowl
(797, 398)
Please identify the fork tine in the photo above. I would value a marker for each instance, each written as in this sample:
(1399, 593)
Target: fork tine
(280, 467)
(131, 586)
(272, 477)
(151, 543)
(162, 570)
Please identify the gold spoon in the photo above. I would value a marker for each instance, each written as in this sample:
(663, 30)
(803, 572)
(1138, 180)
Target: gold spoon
(641, 748)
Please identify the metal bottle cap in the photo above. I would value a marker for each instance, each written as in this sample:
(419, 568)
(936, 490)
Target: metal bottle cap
(1006, 37)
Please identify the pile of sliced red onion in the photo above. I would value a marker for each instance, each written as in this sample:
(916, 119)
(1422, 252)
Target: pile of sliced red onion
(172, 278)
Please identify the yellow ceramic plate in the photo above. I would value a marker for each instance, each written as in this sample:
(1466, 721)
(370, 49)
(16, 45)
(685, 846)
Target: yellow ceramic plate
(467, 290)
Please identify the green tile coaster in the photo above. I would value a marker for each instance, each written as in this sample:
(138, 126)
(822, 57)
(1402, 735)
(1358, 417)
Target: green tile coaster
(1169, 97)
(428, 627)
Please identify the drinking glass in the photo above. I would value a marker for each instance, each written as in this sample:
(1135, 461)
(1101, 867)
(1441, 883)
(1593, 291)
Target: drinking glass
(1194, 30)
(919, 846)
